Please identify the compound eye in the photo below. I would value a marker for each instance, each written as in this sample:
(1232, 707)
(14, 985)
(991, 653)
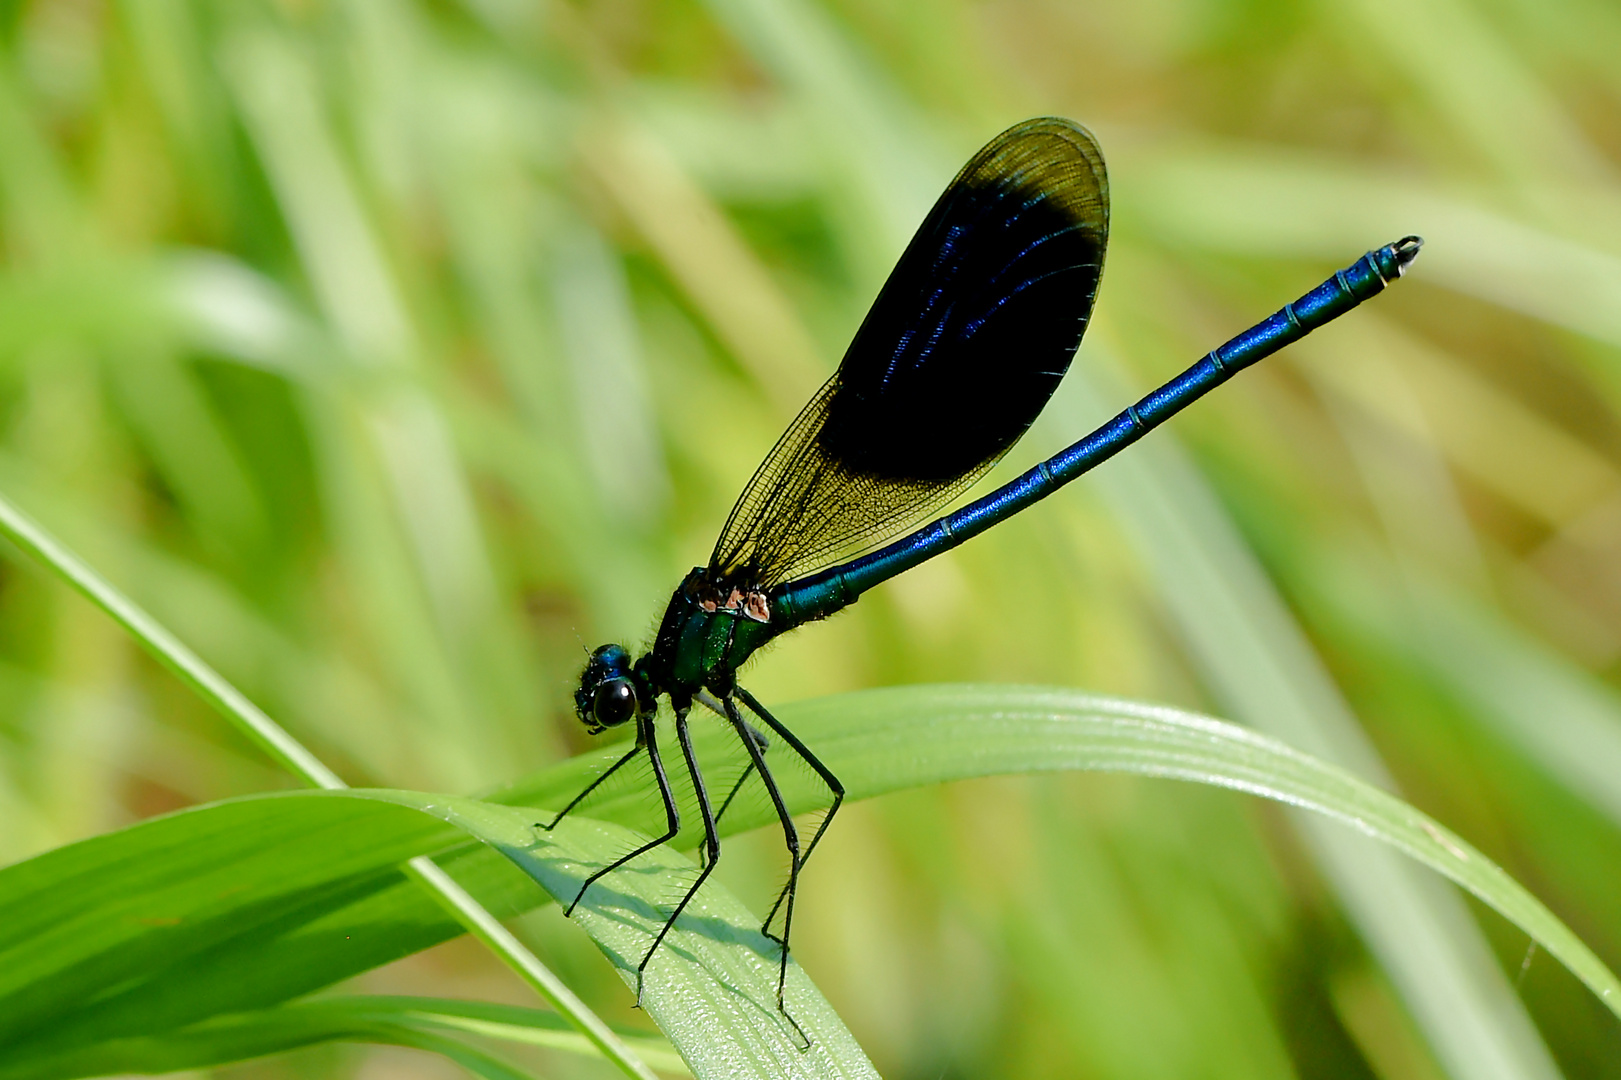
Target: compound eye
(614, 702)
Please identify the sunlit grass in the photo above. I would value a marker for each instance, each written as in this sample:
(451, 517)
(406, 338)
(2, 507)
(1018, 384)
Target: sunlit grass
(391, 352)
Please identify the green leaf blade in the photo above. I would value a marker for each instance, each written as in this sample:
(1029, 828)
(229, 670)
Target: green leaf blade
(711, 986)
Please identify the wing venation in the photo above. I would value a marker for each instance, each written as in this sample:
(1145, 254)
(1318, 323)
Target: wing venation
(965, 343)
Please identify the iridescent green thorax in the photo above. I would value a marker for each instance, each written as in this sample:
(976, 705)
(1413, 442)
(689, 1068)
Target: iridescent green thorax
(707, 633)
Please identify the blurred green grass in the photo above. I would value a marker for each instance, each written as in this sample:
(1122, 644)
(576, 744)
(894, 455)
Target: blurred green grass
(391, 352)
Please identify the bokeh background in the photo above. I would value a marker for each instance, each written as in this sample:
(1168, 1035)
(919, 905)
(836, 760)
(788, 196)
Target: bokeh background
(391, 352)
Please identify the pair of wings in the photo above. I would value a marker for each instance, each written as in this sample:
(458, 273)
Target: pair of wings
(967, 340)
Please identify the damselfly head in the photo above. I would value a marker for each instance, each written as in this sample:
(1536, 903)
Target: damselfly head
(610, 690)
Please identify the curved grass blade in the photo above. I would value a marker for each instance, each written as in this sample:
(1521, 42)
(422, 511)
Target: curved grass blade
(258, 1035)
(145, 934)
(248, 718)
(711, 988)
(508, 1023)
(111, 938)
(880, 741)
(434, 1024)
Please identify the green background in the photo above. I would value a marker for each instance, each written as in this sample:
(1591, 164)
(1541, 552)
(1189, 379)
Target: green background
(390, 353)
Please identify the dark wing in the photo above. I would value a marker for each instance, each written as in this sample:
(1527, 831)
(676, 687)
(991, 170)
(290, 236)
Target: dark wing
(964, 345)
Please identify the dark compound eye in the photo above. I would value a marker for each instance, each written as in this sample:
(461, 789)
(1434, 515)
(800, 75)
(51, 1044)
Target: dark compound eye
(614, 702)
